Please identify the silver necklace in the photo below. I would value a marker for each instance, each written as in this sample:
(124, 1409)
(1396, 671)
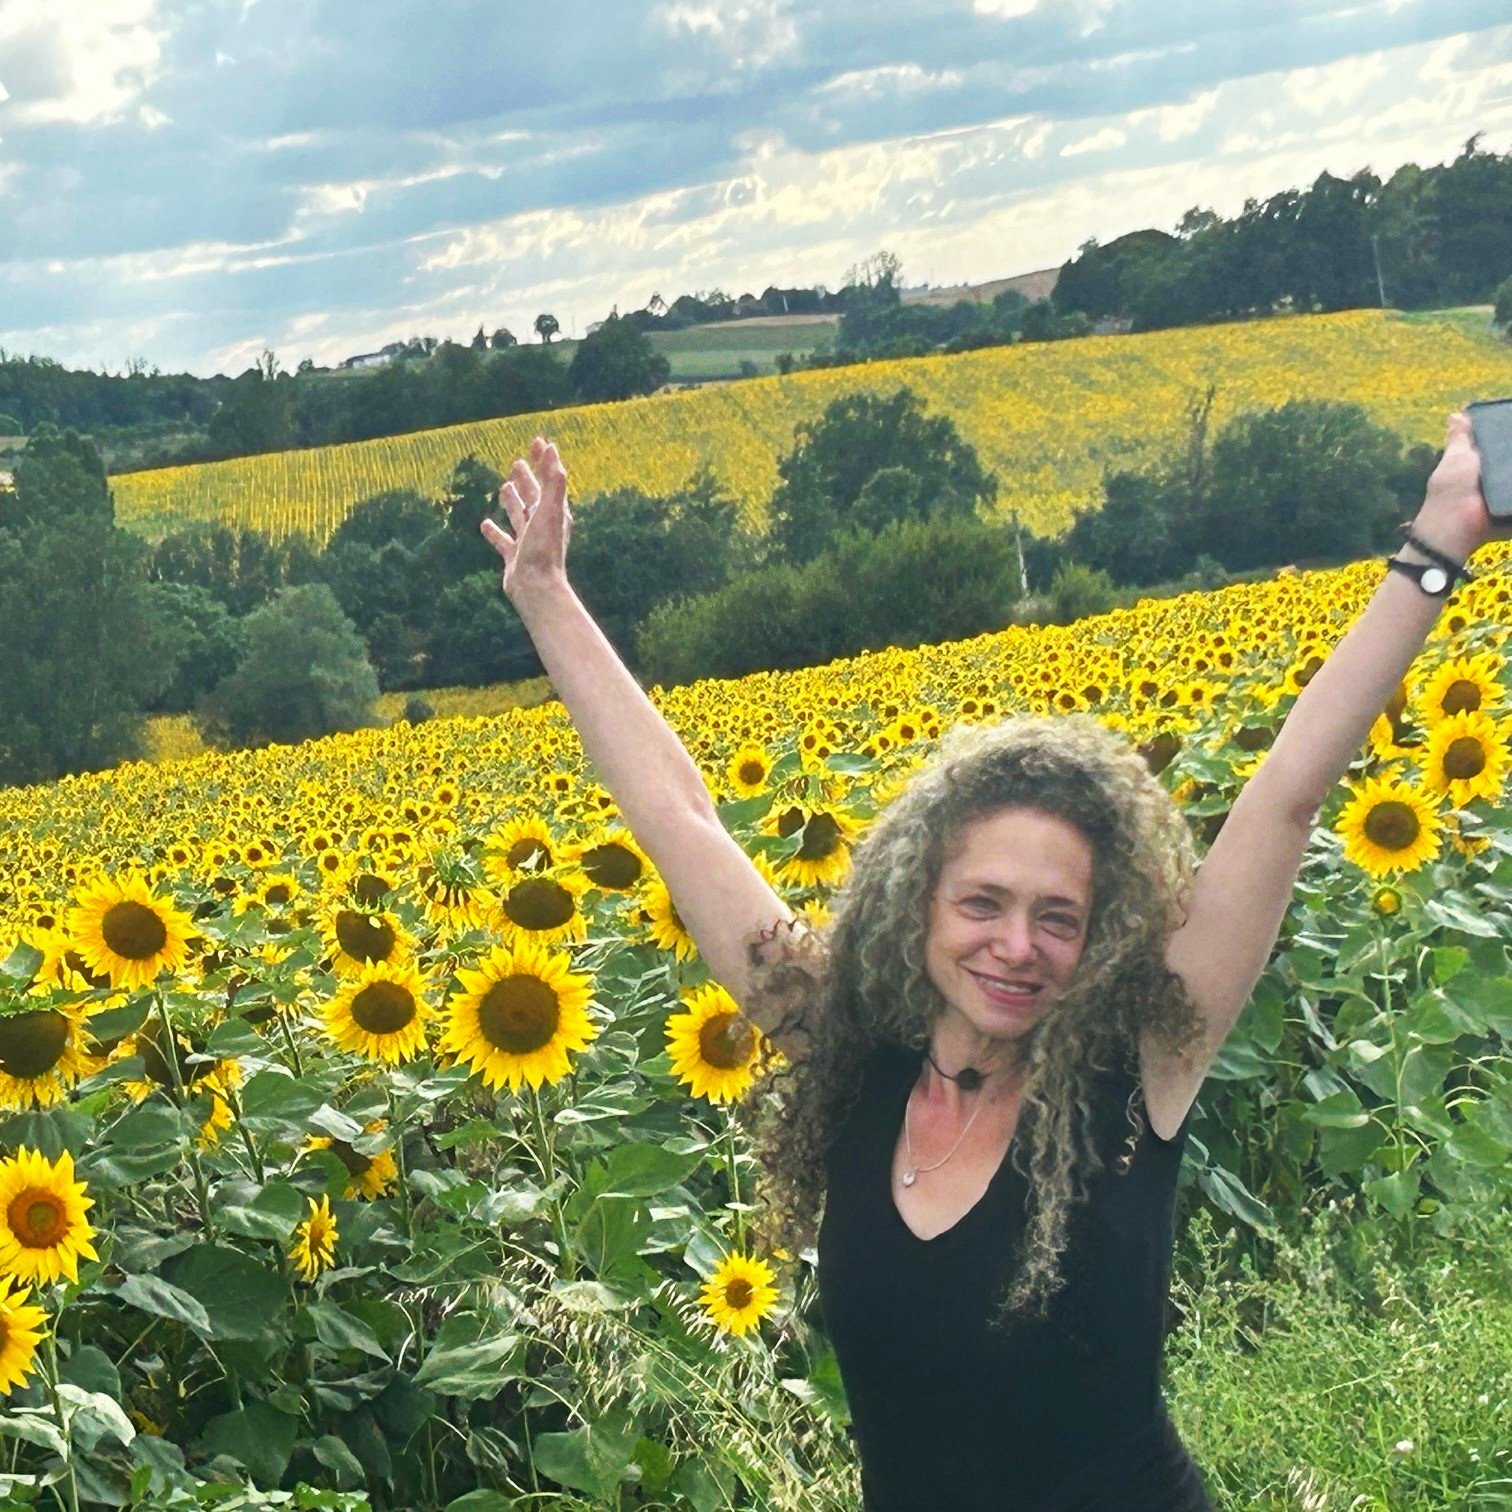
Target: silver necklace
(913, 1170)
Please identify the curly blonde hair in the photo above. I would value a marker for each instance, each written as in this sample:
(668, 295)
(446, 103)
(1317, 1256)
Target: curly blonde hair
(863, 981)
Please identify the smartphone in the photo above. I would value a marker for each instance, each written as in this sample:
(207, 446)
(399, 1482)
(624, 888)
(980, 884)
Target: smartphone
(1491, 430)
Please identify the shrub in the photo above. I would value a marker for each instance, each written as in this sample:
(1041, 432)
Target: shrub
(1078, 591)
(1501, 308)
(417, 710)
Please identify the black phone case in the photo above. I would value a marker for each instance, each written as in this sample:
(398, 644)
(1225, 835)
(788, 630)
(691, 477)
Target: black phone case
(1491, 429)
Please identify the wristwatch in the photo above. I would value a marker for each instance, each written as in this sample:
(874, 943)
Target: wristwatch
(1432, 579)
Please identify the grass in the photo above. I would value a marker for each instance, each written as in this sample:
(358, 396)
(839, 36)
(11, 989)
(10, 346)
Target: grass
(704, 353)
(1306, 1389)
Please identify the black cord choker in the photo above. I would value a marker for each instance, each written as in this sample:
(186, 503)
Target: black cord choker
(968, 1079)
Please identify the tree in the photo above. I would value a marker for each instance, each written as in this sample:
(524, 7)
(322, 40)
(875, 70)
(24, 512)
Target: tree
(208, 643)
(479, 342)
(616, 361)
(502, 338)
(1313, 478)
(1501, 310)
(59, 476)
(85, 644)
(858, 436)
(304, 674)
(546, 326)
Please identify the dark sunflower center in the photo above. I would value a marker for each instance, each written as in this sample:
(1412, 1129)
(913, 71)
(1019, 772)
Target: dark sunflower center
(364, 937)
(738, 1293)
(527, 854)
(821, 838)
(612, 866)
(1309, 670)
(384, 1007)
(1392, 825)
(1160, 751)
(279, 892)
(1461, 697)
(726, 1040)
(370, 889)
(791, 820)
(37, 1217)
(519, 1014)
(31, 1044)
(133, 931)
(1465, 758)
(539, 903)
(752, 772)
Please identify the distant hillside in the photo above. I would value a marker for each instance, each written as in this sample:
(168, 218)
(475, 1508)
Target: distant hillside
(1037, 285)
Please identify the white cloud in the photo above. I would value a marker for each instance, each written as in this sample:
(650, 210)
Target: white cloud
(77, 60)
(1321, 91)
(151, 117)
(1005, 9)
(1099, 141)
(892, 78)
(751, 33)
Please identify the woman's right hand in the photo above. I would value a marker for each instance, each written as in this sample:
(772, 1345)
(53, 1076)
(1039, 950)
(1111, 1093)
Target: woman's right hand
(534, 496)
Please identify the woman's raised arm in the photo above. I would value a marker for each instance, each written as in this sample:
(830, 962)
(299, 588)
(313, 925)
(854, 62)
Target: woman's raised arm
(720, 897)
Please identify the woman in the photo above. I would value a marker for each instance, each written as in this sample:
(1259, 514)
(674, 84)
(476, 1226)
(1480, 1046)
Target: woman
(993, 1052)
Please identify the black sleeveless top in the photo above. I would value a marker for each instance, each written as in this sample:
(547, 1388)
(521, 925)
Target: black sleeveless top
(1061, 1413)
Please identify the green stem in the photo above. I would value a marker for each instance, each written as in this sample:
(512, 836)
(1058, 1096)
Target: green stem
(547, 1157)
(729, 1118)
(405, 1195)
(283, 1023)
(57, 1403)
(171, 1055)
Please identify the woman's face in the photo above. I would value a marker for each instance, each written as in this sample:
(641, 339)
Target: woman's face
(1011, 907)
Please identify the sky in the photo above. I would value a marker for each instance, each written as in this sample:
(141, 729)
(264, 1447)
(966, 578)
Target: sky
(189, 182)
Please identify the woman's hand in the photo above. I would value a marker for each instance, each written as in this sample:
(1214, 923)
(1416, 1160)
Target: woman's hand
(1454, 517)
(534, 497)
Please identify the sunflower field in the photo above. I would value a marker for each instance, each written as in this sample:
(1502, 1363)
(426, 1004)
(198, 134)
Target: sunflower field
(1046, 417)
(369, 1113)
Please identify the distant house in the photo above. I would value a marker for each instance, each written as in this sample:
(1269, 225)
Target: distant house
(368, 359)
(7, 480)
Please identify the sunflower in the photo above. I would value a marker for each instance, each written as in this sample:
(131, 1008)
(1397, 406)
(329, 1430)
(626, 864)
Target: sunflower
(664, 923)
(270, 891)
(739, 1294)
(1389, 826)
(20, 1334)
(611, 859)
(367, 1175)
(714, 1049)
(823, 854)
(124, 931)
(314, 1246)
(1386, 901)
(381, 1013)
(543, 908)
(522, 846)
(518, 1015)
(43, 1230)
(355, 938)
(452, 891)
(1462, 684)
(749, 770)
(42, 1053)
(1466, 758)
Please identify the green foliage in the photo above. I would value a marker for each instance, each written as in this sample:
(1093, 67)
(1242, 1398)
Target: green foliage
(58, 478)
(10, 426)
(240, 567)
(631, 551)
(616, 361)
(1501, 310)
(836, 457)
(864, 593)
(304, 674)
(478, 637)
(1077, 591)
(85, 645)
(207, 643)
(1310, 479)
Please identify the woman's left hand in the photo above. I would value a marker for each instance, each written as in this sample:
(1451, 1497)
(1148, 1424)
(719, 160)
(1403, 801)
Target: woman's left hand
(1454, 517)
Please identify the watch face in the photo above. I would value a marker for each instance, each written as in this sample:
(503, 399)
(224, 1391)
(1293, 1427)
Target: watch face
(1434, 580)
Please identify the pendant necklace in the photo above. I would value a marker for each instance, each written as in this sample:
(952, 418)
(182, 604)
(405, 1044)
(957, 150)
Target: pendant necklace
(969, 1080)
(913, 1170)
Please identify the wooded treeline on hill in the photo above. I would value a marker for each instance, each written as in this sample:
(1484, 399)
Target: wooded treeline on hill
(1425, 237)
(881, 532)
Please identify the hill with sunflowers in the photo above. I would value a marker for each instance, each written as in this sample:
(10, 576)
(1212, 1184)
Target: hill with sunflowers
(1047, 417)
(371, 1114)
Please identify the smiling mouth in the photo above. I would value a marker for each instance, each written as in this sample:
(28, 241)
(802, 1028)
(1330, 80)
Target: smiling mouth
(1005, 993)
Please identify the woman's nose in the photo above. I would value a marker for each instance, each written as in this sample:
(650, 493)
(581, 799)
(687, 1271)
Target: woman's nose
(1014, 943)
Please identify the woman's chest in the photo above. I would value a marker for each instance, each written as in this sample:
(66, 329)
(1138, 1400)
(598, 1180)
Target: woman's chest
(938, 1176)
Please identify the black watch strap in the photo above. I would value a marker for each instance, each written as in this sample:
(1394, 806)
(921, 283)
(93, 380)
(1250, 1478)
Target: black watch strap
(1434, 580)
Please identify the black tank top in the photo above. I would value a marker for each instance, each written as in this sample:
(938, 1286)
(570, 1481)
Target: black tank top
(1057, 1414)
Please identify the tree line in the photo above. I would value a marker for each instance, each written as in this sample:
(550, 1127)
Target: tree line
(1425, 237)
(883, 531)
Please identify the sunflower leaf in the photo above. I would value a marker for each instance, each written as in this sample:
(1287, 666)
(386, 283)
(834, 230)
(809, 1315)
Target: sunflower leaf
(20, 966)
